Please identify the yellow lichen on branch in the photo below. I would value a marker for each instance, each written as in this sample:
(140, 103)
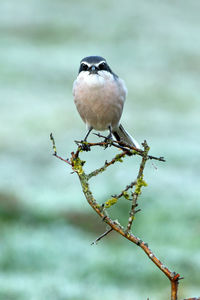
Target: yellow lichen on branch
(110, 202)
(139, 184)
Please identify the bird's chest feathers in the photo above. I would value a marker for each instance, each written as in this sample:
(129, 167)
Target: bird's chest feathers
(94, 88)
(93, 82)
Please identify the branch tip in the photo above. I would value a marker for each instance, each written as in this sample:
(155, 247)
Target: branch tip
(53, 143)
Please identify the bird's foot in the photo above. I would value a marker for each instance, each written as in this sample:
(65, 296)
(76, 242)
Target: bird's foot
(85, 146)
(108, 140)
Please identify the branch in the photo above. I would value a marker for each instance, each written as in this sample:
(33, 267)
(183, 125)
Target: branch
(131, 150)
(139, 183)
(55, 150)
(126, 150)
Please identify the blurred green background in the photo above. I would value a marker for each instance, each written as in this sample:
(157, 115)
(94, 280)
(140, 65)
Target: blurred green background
(46, 226)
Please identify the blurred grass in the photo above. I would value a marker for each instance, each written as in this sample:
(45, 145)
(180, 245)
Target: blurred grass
(46, 226)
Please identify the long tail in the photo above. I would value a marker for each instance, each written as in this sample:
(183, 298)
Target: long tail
(122, 135)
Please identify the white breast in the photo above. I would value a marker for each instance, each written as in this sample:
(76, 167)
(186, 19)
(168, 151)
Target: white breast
(99, 99)
(93, 80)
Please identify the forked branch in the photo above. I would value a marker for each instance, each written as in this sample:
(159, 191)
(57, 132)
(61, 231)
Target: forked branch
(77, 166)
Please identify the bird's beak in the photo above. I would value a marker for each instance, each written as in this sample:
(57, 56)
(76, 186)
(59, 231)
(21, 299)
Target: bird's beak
(93, 70)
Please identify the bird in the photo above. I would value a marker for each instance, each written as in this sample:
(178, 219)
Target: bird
(99, 95)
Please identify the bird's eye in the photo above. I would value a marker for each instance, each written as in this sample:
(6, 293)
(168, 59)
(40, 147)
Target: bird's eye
(84, 67)
(102, 66)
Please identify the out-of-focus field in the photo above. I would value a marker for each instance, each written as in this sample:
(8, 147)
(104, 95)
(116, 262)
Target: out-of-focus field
(46, 226)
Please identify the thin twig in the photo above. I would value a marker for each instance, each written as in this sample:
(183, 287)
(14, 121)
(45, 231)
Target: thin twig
(102, 235)
(126, 189)
(118, 157)
(55, 150)
(53, 143)
(137, 191)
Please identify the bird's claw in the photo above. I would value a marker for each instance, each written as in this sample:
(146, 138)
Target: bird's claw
(85, 146)
(108, 140)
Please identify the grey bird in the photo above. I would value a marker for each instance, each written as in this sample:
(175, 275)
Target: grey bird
(99, 95)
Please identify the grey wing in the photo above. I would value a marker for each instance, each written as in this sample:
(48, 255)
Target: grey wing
(122, 88)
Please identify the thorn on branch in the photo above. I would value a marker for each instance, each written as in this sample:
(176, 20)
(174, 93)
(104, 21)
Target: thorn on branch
(104, 218)
(102, 236)
(180, 278)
